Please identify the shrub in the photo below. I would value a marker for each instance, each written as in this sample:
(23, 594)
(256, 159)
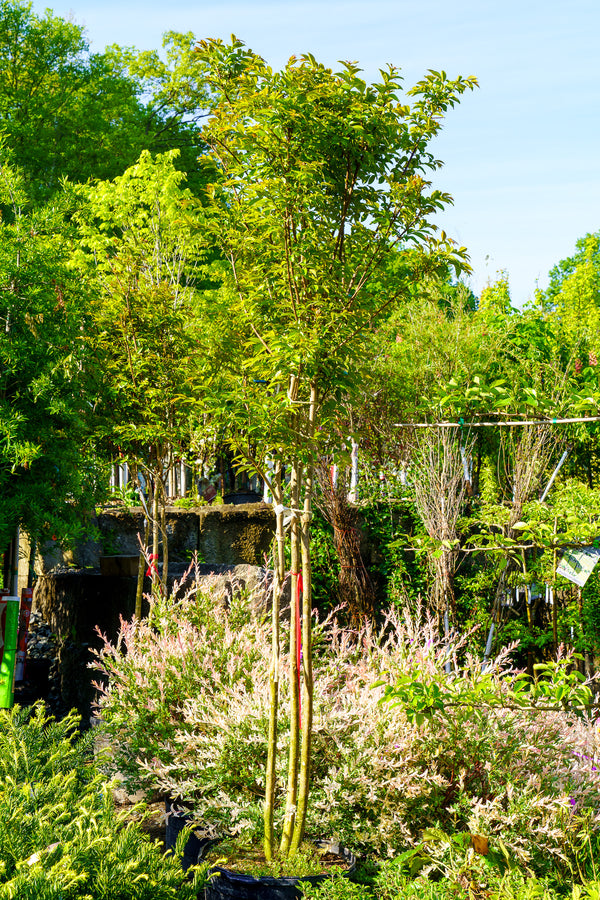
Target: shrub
(186, 706)
(60, 837)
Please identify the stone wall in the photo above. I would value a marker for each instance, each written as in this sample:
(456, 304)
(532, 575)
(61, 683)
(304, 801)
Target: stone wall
(221, 535)
(85, 589)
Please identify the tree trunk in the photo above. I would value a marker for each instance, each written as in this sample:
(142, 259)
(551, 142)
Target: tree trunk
(355, 588)
(164, 535)
(307, 670)
(139, 591)
(294, 751)
(155, 531)
(278, 581)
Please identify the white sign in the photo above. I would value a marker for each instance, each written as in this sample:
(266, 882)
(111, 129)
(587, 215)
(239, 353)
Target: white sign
(578, 565)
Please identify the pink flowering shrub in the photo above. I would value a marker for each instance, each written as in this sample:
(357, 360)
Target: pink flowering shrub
(528, 778)
(182, 699)
(185, 702)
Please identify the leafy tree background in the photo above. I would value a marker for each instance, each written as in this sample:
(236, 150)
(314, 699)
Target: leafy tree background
(48, 472)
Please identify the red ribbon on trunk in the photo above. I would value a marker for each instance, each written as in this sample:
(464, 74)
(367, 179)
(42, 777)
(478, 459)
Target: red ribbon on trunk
(152, 568)
(299, 589)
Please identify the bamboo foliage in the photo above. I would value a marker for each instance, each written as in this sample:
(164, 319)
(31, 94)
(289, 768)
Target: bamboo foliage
(527, 454)
(524, 456)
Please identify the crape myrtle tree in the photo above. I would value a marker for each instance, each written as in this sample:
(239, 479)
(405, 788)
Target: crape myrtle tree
(142, 251)
(47, 469)
(322, 175)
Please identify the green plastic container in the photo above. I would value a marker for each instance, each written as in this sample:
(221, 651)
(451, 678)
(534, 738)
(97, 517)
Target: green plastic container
(9, 625)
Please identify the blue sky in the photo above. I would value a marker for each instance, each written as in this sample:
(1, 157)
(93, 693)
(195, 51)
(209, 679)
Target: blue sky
(521, 153)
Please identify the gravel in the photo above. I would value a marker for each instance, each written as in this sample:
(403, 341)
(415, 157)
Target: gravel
(42, 675)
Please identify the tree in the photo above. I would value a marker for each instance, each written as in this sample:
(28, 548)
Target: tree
(495, 297)
(322, 177)
(142, 248)
(574, 283)
(63, 112)
(70, 113)
(47, 471)
(175, 99)
(571, 308)
(430, 340)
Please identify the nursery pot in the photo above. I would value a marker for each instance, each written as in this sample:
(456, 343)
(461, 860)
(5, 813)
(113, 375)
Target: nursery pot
(195, 847)
(223, 884)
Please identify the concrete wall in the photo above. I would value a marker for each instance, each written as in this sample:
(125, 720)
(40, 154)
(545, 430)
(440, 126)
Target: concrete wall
(93, 585)
(229, 535)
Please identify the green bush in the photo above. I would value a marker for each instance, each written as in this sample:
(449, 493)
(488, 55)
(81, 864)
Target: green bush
(391, 884)
(325, 563)
(400, 575)
(60, 836)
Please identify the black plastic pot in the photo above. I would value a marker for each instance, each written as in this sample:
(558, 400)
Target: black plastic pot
(227, 885)
(195, 847)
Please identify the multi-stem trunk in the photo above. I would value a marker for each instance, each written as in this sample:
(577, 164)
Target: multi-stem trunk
(278, 581)
(295, 570)
(155, 533)
(306, 656)
(164, 535)
(554, 591)
(307, 671)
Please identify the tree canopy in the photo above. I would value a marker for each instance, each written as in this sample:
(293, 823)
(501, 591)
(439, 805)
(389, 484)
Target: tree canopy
(47, 471)
(70, 113)
(321, 177)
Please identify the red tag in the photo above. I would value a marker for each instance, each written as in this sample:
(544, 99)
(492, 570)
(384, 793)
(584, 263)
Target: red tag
(152, 568)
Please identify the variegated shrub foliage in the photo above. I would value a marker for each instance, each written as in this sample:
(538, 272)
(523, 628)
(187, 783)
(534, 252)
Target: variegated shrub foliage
(185, 703)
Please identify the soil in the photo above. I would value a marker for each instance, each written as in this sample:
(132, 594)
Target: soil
(152, 819)
(314, 860)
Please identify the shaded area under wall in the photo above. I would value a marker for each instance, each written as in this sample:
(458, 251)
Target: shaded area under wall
(231, 542)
